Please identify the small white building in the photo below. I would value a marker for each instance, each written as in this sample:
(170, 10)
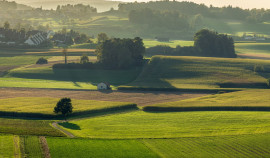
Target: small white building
(103, 86)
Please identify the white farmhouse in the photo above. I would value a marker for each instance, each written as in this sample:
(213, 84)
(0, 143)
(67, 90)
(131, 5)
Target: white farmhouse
(103, 86)
(38, 38)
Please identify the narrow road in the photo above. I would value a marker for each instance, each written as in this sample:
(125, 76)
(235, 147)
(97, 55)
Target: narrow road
(55, 125)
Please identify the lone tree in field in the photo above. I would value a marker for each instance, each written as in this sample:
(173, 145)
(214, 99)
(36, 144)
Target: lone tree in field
(64, 106)
(64, 51)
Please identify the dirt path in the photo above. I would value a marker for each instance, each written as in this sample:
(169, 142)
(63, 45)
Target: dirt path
(55, 125)
(16, 140)
(141, 98)
(45, 147)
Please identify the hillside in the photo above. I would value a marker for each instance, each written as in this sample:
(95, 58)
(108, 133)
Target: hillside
(202, 73)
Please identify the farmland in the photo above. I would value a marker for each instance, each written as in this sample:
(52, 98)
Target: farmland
(98, 148)
(6, 146)
(28, 127)
(140, 124)
(244, 100)
(201, 73)
(44, 106)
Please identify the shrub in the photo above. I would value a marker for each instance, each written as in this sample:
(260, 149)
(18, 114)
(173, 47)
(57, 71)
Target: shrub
(42, 61)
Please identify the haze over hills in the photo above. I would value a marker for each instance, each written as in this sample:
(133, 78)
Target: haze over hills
(220, 3)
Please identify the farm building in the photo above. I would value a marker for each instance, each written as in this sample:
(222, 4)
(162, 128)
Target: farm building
(103, 86)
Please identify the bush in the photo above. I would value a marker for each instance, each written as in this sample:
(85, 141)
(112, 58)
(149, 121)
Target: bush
(42, 61)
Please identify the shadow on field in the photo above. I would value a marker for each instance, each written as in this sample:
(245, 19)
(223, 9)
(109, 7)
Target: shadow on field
(70, 126)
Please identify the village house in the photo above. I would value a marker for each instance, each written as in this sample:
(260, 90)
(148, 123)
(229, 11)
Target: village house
(103, 86)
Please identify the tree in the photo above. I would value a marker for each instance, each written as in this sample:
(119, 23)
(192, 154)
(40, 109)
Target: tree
(63, 106)
(64, 51)
(6, 25)
(212, 44)
(102, 37)
(84, 59)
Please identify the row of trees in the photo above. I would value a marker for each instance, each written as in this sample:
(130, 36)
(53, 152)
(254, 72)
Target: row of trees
(206, 43)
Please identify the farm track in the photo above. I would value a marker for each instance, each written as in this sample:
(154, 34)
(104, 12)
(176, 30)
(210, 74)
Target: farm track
(4, 69)
(56, 126)
(16, 140)
(141, 98)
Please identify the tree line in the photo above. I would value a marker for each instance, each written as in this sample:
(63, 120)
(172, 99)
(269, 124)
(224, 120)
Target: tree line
(206, 43)
(191, 9)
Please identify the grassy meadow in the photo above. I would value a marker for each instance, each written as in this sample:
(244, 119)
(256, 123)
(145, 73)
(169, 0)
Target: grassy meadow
(31, 147)
(45, 106)
(6, 146)
(85, 148)
(202, 73)
(211, 147)
(19, 126)
(141, 124)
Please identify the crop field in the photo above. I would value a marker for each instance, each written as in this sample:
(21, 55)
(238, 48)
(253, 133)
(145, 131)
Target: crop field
(253, 50)
(46, 105)
(141, 124)
(6, 146)
(85, 148)
(31, 147)
(253, 99)
(209, 147)
(202, 73)
(141, 98)
(28, 127)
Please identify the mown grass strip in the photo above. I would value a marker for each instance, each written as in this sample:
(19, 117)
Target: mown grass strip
(6, 146)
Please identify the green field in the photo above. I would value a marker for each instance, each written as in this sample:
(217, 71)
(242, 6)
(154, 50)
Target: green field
(45, 77)
(249, 98)
(6, 146)
(252, 48)
(172, 125)
(31, 147)
(202, 73)
(28, 127)
(46, 105)
(85, 148)
(211, 147)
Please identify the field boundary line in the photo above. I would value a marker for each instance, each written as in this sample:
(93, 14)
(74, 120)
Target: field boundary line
(45, 147)
(16, 140)
(56, 126)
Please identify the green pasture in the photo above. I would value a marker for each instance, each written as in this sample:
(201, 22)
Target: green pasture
(252, 48)
(46, 105)
(6, 146)
(256, 145)
(85, 148)
(45, 77)
(141, 124)
(202, 73)
(31, 147)
(18, 60)
(28, 127)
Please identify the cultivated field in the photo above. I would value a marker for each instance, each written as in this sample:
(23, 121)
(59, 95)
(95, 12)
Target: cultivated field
(141, 124)
(28, 127)
(248, 100)
(6, 146)
(141, 98)
(85, 148)
(45, 106)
